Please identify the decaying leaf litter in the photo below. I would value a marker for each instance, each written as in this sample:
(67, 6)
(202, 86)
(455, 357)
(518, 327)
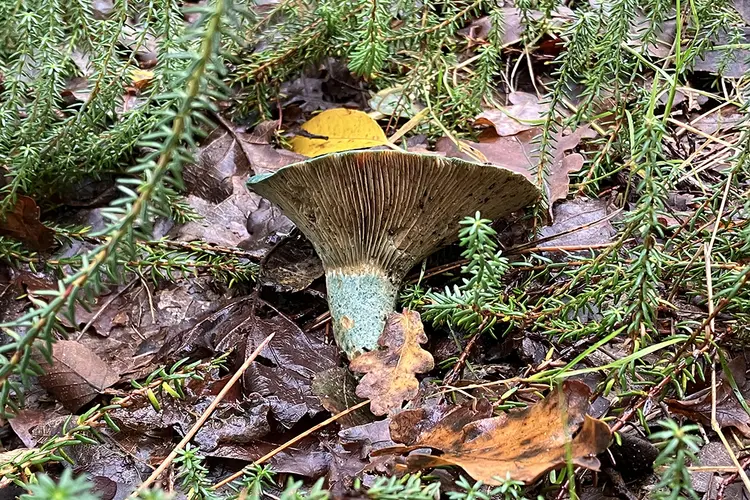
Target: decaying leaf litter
(549, 340)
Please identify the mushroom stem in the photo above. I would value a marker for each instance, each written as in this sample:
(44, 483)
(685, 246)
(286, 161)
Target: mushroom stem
(360, 300)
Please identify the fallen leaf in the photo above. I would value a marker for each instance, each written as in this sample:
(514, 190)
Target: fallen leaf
(105, 488)
(726, 118)
(390, 371)
(523, 114)
(520, 154)
(734, 63)
(579, 222)
(335, 387)
(392, 101)
(712, 454)
(141, 78)
(513, 24)
(524, 444)
(231, 215)
(287, 366)
(226, 223)
(214, 331)
(22, 223)
(76, 374)
(292, 265)
(729, 411)
(217, 159)
(338, 129)
(371, 436)
(439, 423)
(743, 8)
(25, 421)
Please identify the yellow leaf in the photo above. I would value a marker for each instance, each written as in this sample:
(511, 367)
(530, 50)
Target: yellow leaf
(141, 78)
(339, 130)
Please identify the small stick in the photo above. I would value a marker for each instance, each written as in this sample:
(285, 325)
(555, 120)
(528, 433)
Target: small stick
(459, 366)
(703, 134)
(730, 479)
(286, 445)
(717, 429)
(199, 423)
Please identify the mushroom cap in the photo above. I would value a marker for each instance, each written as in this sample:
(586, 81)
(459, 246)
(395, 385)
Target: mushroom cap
(388, 209)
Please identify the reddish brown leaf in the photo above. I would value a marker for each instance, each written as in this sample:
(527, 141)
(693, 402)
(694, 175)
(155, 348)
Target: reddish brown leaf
(524, 444)
(390, 371)
(22, 223)
(729, 411)
(76, 374)
(520, 154)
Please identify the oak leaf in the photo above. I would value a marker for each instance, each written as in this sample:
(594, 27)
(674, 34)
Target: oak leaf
(390, 371)
(524, 444)
(520, 153)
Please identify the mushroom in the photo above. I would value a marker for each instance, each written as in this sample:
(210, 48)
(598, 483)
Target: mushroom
(373, 215)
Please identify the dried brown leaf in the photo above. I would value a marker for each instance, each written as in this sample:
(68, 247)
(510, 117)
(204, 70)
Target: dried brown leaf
(218, 159)
(524, 444)
(523, 114)
(390, 371)
(519, 154)
(729, 411)
(76, 374)
(22, 223)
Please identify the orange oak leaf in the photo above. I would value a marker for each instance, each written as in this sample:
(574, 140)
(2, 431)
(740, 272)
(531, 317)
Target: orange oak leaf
(523, 444)
(390, 371)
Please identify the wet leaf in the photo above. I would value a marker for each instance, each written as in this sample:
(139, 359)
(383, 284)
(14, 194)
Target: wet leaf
(288, 365)
(390, 371)
(729, 410)
(25, 421)
(230, 222)
(22, 223)
(218, 159)
(76, 374)
(335, 387)
(292, 265)
(439, 423)
(338, 129)
(525, 443)
(371, 436)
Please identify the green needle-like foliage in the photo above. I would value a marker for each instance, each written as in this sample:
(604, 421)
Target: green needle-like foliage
(478, 302)
(678, 449)
(146, 191)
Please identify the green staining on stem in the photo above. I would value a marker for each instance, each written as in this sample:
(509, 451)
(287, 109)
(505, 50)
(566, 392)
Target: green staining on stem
(360, 301)
(373, 215)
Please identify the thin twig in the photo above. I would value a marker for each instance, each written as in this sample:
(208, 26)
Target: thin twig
(717, 429)
(451, 378)
(199, 423)
(286, 445)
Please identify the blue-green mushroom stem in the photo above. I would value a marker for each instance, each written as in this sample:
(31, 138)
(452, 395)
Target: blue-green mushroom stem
(360, 300)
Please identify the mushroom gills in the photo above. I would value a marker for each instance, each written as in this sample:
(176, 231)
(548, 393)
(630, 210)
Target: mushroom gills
(373, 215)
